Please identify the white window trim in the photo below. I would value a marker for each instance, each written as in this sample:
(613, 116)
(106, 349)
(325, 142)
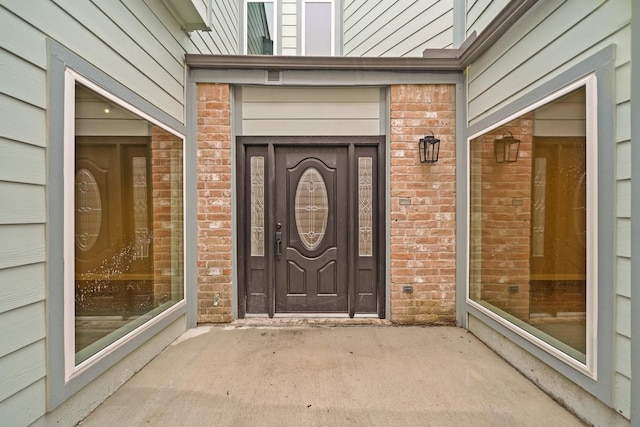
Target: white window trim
(71, 369)
(333, 25)
(590, 367)
(275, 24)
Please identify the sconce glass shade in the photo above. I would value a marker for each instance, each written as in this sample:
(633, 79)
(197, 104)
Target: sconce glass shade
(506, 148)
(429, 148)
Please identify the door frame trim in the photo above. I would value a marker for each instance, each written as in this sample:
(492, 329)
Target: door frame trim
(269, 142)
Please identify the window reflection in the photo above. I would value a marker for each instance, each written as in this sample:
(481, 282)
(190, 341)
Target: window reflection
(128, 222)
(528, 224)
(260, 28)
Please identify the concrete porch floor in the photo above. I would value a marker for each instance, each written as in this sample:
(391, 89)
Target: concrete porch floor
(320, 374)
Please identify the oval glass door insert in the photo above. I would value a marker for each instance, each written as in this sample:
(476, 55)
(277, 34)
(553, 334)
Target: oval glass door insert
(312, 208)
(88, 210)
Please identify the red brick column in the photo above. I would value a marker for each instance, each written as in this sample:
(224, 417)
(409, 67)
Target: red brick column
(422, 206)
(214, 203)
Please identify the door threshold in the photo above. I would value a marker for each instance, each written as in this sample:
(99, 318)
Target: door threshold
(311, 315)
(322, 319)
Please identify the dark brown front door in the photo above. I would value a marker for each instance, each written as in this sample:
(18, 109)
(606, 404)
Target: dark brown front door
(311, 229)
(311, 215)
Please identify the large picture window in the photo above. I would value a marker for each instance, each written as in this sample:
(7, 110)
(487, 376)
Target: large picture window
(123, 216)
(532, 226)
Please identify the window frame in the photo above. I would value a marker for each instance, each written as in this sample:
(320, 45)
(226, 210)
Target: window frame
(71, 369)
(157, 332)
(602, 64)
(243, 26)
(591, 150)
(303, 26)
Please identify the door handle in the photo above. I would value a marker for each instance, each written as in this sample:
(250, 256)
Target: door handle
(278, 243)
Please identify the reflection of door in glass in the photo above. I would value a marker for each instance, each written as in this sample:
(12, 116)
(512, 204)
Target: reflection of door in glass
(113, 258)
(311, 230)
(558, 244)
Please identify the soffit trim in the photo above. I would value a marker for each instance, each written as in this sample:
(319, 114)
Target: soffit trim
(444, 62)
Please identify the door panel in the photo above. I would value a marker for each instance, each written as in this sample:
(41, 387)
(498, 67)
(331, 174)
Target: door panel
(311, 219)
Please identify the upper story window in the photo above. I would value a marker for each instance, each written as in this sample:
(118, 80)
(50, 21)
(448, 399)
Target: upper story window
(318, 27)
(260, 27)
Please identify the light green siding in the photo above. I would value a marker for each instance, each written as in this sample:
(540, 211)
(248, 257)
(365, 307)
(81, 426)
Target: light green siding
(21, 162)
(25, 406)
(403, 28)
(552, 37)
(21, 244)
(22, 368)
(223, 37)
(22, 80)
(21, 327)
(138, 43)
(21, 203)
(21, 286)
(480, 13)
(545, 43)
(21, 121)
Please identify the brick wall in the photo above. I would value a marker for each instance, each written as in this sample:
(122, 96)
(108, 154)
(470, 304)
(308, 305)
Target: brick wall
(214, 203)
(422, 206)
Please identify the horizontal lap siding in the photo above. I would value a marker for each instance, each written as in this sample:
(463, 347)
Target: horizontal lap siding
(23, 99)
(404, 28)
(551, 38)
(25, 406)
(289, 36)
(480, 13)
(138, 43)
(540, 47)
(223, 37)
(300, 112)
(22, 364)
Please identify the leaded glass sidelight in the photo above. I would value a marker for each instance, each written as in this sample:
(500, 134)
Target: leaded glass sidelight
(312, 208)
(257, 206)
(365, 206)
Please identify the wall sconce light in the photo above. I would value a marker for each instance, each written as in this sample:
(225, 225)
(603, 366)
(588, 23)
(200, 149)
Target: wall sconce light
(506, 148)
(107, 109)
(429, 148)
